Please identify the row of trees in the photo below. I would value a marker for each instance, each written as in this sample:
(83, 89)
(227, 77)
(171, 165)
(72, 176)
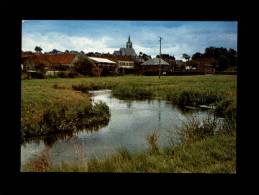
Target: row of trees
(38, 49)
(220, 58)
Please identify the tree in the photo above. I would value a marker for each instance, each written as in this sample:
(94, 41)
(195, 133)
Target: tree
(192, 63)
(223, 62)
(55, 51)
(83, 65)
(38, 49)
(186, 56)
(197, 55)
(144, 56)
(166, 57)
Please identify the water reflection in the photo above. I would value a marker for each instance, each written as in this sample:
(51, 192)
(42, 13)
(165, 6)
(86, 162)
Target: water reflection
(49, 140)
(130, 123)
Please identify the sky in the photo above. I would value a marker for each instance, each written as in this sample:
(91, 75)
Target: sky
(104, 36)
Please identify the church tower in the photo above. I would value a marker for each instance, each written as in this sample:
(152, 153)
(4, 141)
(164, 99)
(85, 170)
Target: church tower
(129, 43)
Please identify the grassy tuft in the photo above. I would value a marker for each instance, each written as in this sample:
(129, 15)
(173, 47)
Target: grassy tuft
(152, 141)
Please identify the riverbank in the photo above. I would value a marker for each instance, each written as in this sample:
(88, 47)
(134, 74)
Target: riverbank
(71, 96)
(47, 110)
(213, 154)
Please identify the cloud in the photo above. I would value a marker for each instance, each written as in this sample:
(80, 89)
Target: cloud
(62, 42)
(107, 36)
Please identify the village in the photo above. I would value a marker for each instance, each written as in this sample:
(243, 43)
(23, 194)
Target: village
(130, 96)
(124, 61)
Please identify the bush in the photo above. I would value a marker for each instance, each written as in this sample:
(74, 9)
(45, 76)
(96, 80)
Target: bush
(226, 108)
(37, 75)
(68, 74)
(24, 76)
(83, 65)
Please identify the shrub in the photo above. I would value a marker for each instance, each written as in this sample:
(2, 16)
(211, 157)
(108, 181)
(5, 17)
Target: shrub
(36, 75)
(226, 108)
(68, 74)
(83, 65)
(24, 76)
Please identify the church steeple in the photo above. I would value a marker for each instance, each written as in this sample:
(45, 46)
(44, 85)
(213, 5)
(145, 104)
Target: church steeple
(129, 43)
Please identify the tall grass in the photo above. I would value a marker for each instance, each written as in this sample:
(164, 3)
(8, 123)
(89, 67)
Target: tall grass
(131, 92)
(193, 97)
(203, 150)
(195, 129)
(41, 164)
(62, 119)
(152, 141)
(86, 86)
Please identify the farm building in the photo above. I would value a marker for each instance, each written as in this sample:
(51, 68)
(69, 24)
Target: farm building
(152, 66)
(125, 64)
(53, 63)
(48, 62)
(105, 66)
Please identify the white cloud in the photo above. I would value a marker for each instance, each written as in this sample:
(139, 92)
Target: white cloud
(176, 41)
(62, 42)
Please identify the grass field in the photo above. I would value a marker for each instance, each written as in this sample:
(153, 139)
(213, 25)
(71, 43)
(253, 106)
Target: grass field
(179, 89)
(64, 104)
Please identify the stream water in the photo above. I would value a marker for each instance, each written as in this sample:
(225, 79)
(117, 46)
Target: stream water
(130, 123)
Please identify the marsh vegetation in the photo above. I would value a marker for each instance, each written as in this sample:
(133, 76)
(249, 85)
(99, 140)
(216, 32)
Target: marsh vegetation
(58, 105)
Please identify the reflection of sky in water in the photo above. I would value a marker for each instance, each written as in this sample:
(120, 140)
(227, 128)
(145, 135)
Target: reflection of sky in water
(130, 123)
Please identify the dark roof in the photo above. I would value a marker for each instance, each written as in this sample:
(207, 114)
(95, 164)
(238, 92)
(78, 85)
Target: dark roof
(125, 52)
(154, 61)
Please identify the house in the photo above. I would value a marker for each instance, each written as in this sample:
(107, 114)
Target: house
(125, 64)
(152, 66)
(49, 62)
(102, 61)
(104, 65)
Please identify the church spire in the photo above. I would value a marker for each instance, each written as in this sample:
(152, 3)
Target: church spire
(129, 43)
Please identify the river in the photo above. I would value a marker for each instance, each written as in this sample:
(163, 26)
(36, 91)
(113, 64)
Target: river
(131, 121)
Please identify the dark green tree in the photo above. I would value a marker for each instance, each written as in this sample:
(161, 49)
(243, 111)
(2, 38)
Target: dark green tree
(83, 65)
(197, 55)
(186, 56)
(38, 49)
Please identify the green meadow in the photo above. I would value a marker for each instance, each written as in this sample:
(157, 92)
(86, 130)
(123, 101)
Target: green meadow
(57, 105)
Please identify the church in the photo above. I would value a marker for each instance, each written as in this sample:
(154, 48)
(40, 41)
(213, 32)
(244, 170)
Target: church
(128, 51)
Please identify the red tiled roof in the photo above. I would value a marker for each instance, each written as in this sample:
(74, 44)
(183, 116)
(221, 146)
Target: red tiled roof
(49, 59)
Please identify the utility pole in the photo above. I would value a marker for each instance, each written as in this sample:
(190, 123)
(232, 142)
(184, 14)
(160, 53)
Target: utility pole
(160, 38)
